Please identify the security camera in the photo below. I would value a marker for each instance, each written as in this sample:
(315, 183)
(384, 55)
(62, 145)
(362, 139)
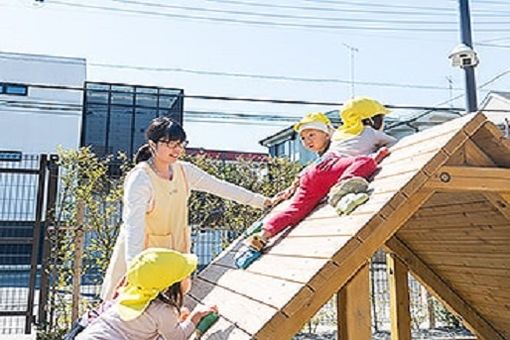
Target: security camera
(463, 56)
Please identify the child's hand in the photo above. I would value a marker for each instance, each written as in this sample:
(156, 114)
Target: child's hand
(185, 313)
(200, 311)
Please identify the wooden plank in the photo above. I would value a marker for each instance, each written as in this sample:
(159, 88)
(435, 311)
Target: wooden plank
(276, 292)
(315, 247)
(353, 306)
(442, 291)
(288, 268)
(450, 127)
(325, 284)
(458, 247)
(500, 203)
(475, 156)
(400, 313)
(458, 219)
(490, 139)
(458, 158)
(333, 226)
(480, 270)
(222, 329)
(448, 198)
(481, 206)
(378, 234)
(467, 260)
(468, 233)
(233, 306)
(460, 178)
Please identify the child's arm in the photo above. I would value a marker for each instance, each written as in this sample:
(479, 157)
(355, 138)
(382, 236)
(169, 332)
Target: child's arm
(169, 326)
(384, 139)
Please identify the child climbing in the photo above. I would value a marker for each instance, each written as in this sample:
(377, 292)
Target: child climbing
(149, 305)
(342, 162)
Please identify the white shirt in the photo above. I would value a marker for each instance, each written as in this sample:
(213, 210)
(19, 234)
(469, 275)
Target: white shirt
(138, 200)
(364, 144)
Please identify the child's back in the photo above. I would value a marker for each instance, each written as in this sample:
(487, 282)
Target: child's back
(159, 321)
(363, 144)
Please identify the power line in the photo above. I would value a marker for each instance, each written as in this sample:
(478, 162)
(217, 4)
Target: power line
(266, 23)
(246, 75)
(487, 14)
(261, 100)
(269, 77)
(282, 16)
(423, 114)
(381, 5)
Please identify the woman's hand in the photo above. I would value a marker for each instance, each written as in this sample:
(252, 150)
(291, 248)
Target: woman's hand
(200, 311)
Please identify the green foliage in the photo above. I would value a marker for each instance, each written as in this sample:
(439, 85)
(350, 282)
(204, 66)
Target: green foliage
(445, 317)
(266, 178)
(90, 204)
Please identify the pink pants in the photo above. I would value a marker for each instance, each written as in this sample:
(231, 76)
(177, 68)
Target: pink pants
(315, 183)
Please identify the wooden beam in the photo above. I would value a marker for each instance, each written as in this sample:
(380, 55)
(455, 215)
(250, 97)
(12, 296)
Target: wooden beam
(501, 202)
(442, 291)
(353, 307)
(400, 313)
(470, 178)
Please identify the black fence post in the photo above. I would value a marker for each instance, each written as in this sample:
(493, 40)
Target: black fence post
(35, 242)
(51, 199)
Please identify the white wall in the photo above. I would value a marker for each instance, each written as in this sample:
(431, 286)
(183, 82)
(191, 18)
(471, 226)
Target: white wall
(37, 130)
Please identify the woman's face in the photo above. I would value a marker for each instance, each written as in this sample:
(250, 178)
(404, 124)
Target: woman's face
(314, 140)
(169, 151)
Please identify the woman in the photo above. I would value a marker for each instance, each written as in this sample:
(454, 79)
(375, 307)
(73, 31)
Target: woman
(155, 199)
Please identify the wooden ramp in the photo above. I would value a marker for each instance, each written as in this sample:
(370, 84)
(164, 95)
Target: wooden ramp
(441, 204)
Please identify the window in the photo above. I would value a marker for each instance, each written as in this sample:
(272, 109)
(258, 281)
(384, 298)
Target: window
(13, 89)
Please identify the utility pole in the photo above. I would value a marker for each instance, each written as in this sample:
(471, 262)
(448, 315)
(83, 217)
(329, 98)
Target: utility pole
(352, 50)
(469, 70)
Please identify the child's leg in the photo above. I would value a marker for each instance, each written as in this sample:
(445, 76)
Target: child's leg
(353, 179)
(363, 166)
(313, 186)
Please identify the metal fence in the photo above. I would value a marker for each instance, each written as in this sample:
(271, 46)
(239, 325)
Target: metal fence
(25, 188)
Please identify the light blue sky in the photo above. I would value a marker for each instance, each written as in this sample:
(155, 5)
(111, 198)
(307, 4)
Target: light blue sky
(402, 57)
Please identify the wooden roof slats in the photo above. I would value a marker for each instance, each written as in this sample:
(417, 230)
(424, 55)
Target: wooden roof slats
(277, 295)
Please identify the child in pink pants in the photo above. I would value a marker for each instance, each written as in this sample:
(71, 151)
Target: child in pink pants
(337, 166)
(314, 183)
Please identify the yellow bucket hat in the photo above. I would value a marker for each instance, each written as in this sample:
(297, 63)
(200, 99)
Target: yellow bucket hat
(314, 120)
(353, 112)
(149, 273)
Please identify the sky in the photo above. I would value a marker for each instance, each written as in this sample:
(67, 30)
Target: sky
(286, 49)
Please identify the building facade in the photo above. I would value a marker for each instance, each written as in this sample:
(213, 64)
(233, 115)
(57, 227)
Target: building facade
(33, 119)
(115, 115)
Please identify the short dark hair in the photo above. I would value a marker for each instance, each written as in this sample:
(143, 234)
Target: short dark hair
(376, 121)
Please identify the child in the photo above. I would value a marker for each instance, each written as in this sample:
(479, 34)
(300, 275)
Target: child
(149, 305)
(339, 162)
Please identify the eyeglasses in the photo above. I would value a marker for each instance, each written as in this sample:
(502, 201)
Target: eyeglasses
(172, 144)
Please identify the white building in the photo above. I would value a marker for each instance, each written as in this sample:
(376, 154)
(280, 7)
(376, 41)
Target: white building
(497, 107)
(36, 120)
